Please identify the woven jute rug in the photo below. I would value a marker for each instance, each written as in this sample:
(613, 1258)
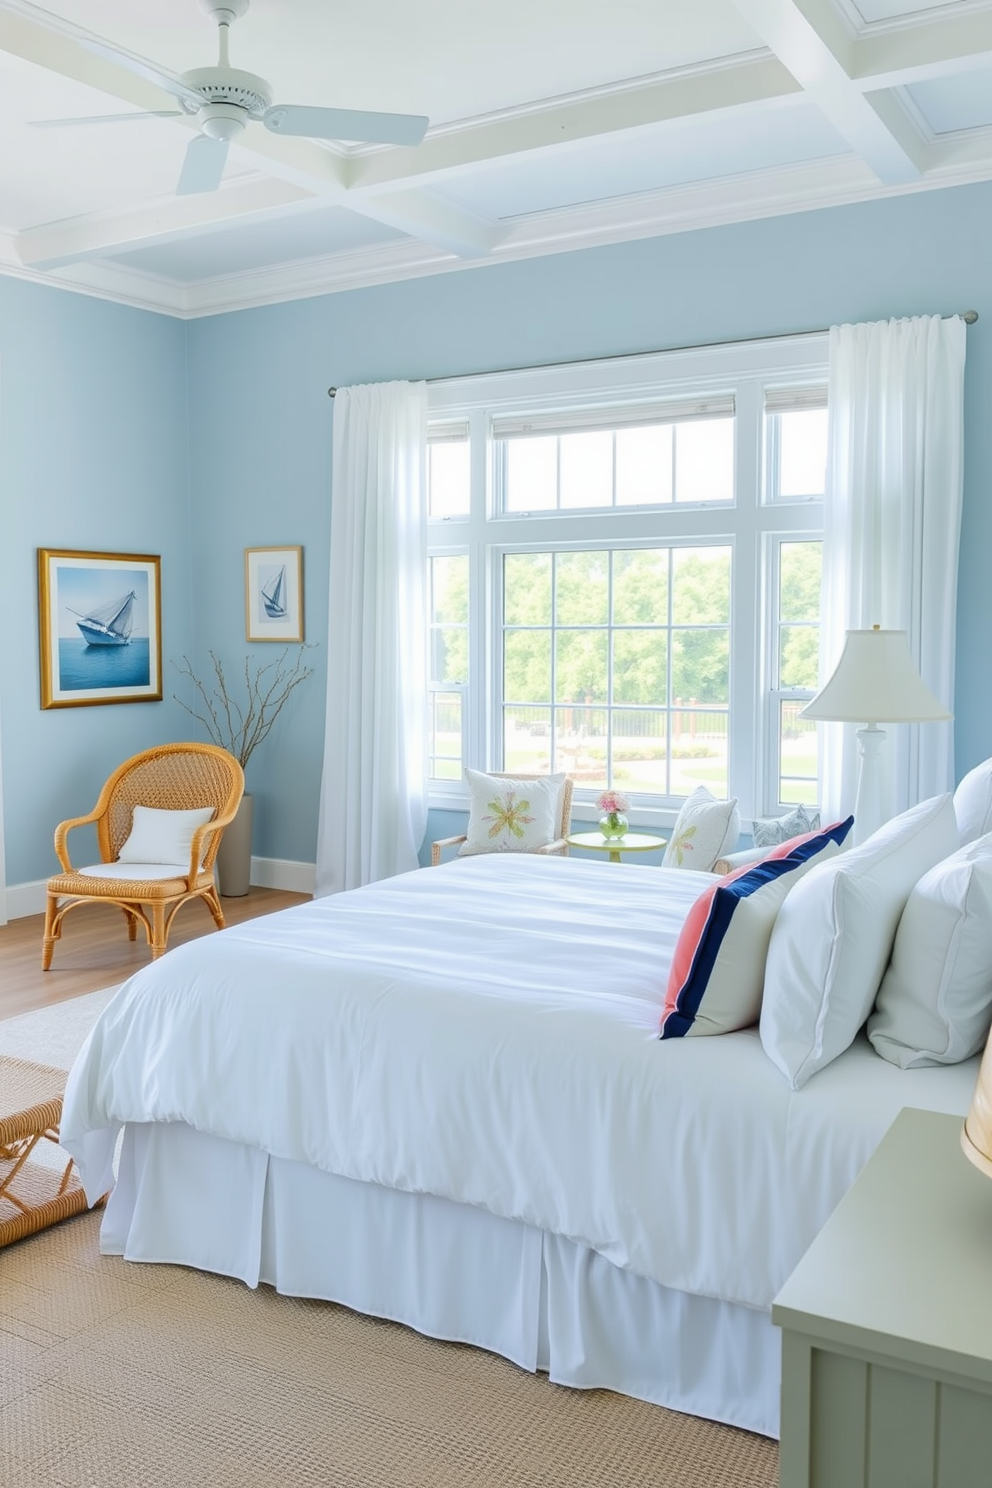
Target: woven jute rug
(116, 1375)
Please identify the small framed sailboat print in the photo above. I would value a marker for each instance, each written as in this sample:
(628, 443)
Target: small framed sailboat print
(274, 594)
(100, 627)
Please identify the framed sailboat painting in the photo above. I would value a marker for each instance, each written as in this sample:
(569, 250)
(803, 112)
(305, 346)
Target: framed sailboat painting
(100, 625)
(274, 594)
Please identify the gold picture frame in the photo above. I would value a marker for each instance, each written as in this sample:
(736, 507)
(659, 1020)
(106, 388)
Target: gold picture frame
(99, 627)
(274, 594)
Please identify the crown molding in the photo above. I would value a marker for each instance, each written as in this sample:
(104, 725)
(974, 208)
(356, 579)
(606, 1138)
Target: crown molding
(783, 190)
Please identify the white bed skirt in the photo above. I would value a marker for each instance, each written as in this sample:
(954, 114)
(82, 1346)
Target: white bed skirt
(446, 1269)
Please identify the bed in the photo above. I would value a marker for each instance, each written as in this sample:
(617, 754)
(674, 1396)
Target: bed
(442, 1099)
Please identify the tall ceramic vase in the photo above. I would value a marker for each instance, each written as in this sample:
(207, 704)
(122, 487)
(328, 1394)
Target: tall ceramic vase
(234, 853)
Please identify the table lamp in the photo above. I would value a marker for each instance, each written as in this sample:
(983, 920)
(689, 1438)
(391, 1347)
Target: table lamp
(875, 681)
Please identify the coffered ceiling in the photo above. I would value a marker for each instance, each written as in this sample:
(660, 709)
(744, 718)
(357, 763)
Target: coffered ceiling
(554, 124)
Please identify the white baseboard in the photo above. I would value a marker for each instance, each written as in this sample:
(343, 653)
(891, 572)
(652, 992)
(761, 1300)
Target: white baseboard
(26, 899)
(266, 873)
(283, 873)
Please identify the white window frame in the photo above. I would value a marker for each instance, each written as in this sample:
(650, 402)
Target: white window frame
(747, 369)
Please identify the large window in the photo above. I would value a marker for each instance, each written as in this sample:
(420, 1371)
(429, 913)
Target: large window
(624, 575)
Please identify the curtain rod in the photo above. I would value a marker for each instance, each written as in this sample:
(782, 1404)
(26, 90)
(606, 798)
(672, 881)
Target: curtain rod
(968, 316)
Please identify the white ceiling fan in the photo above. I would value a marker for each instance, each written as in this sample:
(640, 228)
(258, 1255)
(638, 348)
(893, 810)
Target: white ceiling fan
(224, 100)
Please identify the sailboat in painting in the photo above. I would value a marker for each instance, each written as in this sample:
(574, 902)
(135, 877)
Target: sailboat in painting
(273, 597)
(110, 625)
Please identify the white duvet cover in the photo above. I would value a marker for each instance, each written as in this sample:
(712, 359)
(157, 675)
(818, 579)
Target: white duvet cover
(487, 1032)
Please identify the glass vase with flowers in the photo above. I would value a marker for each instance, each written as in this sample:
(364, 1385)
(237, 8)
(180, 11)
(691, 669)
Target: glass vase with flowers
(614, 806)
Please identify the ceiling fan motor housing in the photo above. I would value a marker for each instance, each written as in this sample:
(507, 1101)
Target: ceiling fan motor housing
(230, 99)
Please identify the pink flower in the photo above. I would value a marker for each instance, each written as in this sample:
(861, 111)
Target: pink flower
(613, 801)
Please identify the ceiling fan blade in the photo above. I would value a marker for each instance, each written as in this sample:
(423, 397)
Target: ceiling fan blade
(106, 118)
(141, 68)
(203, 167)
(346, 124)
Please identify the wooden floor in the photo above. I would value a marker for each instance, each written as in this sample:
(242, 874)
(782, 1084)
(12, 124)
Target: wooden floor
(95, 952)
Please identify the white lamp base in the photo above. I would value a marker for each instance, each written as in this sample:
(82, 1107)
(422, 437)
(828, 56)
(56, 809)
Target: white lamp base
(868, 812)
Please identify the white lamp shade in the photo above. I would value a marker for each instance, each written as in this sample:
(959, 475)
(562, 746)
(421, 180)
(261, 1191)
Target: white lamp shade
(876, 681)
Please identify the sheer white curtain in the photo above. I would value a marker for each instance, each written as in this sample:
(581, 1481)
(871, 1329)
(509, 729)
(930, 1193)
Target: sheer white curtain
(892, 528)
(373, 799)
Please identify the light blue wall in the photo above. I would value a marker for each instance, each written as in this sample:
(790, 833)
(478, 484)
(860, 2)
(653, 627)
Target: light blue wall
(260, 420)
(97, 403)
(92, 456)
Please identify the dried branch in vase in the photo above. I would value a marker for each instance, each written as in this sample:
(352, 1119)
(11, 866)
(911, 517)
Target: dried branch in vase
(240, 727)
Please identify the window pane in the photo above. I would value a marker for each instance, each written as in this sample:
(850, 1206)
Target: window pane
(448, 478)
(704, 460)
(449, 589)
(640, 666)
(644, 465)
(445, 744)
(700, 666)
(640, 750)
(799, 656)
(640, 587)
(582, 588)
(580, 666)
(580, 745)
(798, 758)
(586, 470)
(527, 740)
(699, 752)
(532, 474)
(527, 589)
(527, 666)
(449, 618)
(802, 453)
(800, 565)
(701, 586)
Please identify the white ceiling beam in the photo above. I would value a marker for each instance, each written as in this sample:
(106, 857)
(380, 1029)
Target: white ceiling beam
(813, 43)
(432, 220)
(922, 48)
(462, 148)
(46, 46)
(59, 243)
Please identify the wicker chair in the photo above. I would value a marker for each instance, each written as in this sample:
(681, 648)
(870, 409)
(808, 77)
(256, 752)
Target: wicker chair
(558, 848)
(171, 777)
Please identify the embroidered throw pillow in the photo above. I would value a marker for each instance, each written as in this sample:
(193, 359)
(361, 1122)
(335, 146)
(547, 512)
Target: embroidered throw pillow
(508, 814)
(833, 938)
(772, 830)
(162, 836)
(935, 1002)
(706, 829)
(718, 969)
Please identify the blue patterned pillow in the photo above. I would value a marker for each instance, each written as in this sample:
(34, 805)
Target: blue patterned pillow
(775, 829)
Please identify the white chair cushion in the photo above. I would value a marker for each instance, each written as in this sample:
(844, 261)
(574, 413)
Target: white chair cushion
(833, 937)
(973, 803)
(136, 872)
(162, 836)
(706, 829)
(508, 814)
(935, 1002)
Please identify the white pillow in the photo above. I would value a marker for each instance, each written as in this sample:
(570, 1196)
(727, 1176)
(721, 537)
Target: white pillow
(508, 814)
(973, 803)
(834, 934)
(706, 829)
(162, 836)
(935, 1002)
